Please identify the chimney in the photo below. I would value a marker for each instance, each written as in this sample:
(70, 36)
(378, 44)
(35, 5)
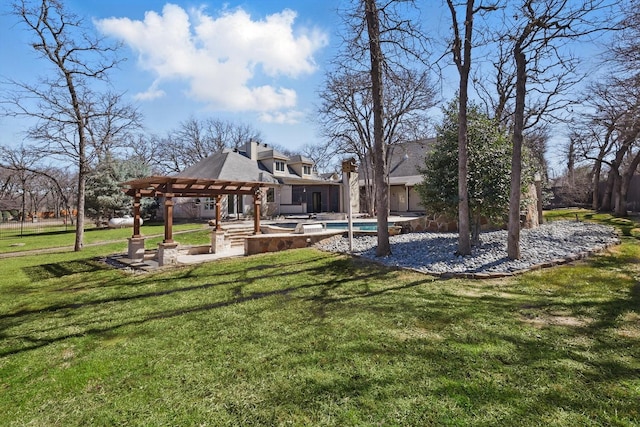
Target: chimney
(251, 150)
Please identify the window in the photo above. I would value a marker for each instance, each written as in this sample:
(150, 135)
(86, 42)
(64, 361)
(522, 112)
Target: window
(279, 166)
(209, 204)
(306, 170)
(271, 195)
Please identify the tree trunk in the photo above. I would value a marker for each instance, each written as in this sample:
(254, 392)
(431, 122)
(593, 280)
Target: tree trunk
(625, 182)
(80, 211)
(595, 196)
(475, 229)
(608, 192)
(513, 230)
(621, 199)
(382, 195)
(462, 58)
(615, 193)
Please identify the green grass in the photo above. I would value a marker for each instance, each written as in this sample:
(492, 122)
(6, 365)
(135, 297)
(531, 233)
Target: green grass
(625, 225)
(60, 238)
(309, 338)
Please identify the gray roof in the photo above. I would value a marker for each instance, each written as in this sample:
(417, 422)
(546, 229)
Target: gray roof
(300, 159)
(228, 165)
(270, 153)
(406, 160)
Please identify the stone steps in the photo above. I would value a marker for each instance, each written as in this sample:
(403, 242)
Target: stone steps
(237, 234)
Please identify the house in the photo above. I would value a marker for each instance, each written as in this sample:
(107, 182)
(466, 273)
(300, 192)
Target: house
(294, 187)
(404, 163)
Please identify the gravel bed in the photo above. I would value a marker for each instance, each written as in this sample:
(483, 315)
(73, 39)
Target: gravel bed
(549, 244)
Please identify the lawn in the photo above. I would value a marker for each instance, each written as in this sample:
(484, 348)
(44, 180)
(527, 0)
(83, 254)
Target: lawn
(310, 338)
(57, 238)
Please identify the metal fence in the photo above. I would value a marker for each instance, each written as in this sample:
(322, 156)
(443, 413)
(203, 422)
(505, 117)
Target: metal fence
(11, 229)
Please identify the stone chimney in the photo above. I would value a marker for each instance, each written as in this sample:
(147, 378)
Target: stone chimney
(251, 150)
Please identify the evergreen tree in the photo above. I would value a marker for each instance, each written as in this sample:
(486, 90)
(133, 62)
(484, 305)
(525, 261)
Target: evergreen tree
(104, 197)
(488, 174)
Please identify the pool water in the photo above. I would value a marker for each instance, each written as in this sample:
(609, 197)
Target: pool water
(363, 226)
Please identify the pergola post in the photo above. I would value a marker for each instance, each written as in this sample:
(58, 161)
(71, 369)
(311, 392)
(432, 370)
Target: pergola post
(218, 235)
(135, 247)
(168, 249)
(136, 215)
(257, 201)
(168, 219)
(218, 213)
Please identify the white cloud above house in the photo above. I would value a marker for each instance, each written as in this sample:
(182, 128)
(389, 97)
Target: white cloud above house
(230, 61)
(280, 117)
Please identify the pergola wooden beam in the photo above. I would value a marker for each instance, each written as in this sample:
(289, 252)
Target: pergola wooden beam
(170, 187)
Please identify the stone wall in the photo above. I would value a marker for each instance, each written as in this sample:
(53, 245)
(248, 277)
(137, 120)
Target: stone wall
(259, 244)
(438, 223)
(434, 223)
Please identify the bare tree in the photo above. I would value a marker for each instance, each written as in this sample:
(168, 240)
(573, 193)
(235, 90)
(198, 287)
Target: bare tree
(21, 163)
(381, 42)
(194, 139)
(36, 180)
(70, 113)
(382, 194)
(323, 157)
(461, 46)
(346, 117)
(597, 135)
(540, 30)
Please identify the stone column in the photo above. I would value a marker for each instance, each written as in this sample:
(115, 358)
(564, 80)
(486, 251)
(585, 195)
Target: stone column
(218, 242)
(167, 253)
(136, 248)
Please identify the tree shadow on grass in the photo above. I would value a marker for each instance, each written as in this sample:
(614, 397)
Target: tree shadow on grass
(236, 283)
(41, 272)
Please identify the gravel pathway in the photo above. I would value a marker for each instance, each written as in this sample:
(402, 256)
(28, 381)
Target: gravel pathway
(552, 243)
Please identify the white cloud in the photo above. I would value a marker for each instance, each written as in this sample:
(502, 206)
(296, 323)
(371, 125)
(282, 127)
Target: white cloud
(221, 58)
(150, 94)
(287, 117)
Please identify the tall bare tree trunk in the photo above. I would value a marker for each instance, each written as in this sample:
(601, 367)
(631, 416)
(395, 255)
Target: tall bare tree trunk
(80, 212)
(464, 235)
(513, 229)
(625, 183)
(462, 58)
(595, 190)
(382, 195)
(608, 191)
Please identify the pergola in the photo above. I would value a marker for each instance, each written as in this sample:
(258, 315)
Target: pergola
(170, 187)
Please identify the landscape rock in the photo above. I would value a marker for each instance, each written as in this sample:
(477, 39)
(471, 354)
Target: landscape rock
(550, 244)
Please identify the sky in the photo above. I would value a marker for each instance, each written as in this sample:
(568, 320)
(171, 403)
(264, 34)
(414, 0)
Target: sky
(257, 62)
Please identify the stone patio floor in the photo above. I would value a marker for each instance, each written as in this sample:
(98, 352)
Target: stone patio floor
(149, 264)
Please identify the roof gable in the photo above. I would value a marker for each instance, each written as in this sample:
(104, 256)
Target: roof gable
(227, 165)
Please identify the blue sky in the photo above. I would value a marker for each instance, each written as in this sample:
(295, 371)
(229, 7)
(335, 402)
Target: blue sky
(259, 62)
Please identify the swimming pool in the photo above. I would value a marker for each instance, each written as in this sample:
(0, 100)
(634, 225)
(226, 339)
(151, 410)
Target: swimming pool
(362, 226)
(337, 225)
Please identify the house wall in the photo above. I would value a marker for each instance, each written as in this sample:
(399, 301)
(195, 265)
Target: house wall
(287, 200)
(285, 195)
(404, 199)
(329, 197)
(415, 204)
(398, 198)
(189, 208)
